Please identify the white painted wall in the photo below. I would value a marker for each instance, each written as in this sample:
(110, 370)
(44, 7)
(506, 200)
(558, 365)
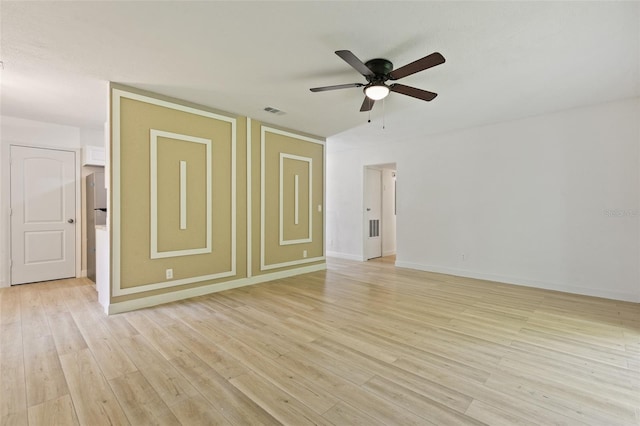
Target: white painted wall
(32, 133)
(92, 137)
(550, 201)
(19, 130)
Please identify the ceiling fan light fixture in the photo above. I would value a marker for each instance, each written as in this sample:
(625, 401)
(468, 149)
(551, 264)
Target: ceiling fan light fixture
(378, 71)
(376, 91)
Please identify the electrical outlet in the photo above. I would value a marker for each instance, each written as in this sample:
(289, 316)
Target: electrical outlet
(169, 273)
(320, 207)
(304, 253)
(464, 257)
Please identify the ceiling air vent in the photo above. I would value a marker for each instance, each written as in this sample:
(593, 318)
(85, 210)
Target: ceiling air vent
(275, 111)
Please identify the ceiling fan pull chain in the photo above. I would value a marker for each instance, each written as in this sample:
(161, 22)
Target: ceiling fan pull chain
(383, 114)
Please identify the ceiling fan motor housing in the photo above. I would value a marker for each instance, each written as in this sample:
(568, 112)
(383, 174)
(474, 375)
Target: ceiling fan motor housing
(380, 67)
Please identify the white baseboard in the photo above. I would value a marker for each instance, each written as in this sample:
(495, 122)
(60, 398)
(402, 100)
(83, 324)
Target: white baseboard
(525, 282)
(145, 302)
(347, 256)
(83, 273)
(388, 253)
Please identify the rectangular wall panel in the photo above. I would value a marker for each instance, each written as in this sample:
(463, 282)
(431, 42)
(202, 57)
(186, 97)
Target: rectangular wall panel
(287, 158)
(178, 162)
(291, 230)
(169, 234)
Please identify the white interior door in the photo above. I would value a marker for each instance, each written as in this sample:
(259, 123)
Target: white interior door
(42, 214)
(373, 213)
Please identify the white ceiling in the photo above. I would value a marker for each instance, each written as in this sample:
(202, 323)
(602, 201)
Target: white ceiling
(505, 60)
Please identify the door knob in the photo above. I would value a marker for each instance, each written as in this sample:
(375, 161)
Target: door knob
(368, 209)
(70, 220)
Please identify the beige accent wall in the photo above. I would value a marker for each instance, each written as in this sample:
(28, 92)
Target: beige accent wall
(267, 146)
(180, 139)
(137, 268)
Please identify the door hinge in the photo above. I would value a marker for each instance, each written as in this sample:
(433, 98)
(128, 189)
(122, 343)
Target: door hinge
(10, 212)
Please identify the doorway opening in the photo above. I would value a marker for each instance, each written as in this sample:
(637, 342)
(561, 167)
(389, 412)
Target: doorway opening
(379, 216)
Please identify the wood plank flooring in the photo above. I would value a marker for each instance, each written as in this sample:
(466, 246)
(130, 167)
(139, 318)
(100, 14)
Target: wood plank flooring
(359, 344)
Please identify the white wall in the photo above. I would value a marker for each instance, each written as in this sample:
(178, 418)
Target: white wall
(92, 137)
(550, 201)
(19, 130)
(32, 133)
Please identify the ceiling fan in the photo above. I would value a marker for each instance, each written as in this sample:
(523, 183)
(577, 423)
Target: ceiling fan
(379, 71)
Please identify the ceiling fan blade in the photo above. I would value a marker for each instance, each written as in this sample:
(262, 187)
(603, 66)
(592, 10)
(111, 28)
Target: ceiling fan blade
(413, 92)
(417, 66)
(356, 63)
(367, 104)
(336, 87)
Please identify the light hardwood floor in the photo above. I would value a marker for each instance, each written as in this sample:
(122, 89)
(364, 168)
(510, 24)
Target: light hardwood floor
(360, 344)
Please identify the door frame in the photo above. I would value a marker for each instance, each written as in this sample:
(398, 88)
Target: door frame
(365, 222)
(365, 219)
(5, 279)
